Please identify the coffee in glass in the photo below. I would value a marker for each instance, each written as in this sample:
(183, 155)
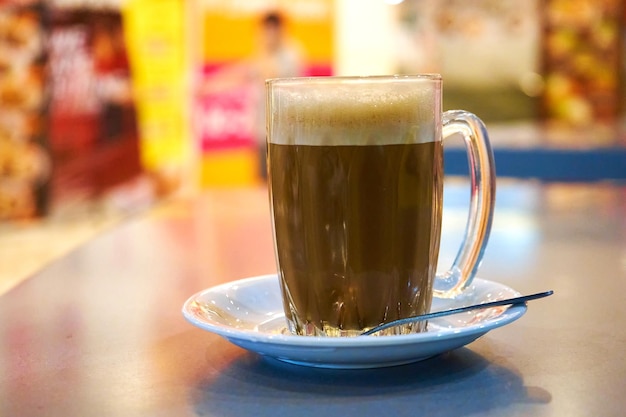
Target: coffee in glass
(356, 186)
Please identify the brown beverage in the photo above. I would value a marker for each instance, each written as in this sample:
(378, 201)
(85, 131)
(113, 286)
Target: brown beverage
(356, 194)
(356, 184)
(357, 232)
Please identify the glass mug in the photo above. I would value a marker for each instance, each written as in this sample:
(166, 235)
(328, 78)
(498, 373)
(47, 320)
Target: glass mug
(355, 172)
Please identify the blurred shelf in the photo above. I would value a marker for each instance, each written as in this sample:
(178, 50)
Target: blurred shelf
(530, 151)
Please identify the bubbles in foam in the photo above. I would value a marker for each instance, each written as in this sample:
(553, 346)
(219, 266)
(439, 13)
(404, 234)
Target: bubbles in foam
(354, 114)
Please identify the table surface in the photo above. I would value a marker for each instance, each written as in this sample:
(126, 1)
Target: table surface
(100, 332)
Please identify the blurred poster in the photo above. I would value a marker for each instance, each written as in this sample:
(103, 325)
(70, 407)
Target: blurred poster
(244, 43)
(582, 54)
(93, 132)
(24, 159)
(156, 34)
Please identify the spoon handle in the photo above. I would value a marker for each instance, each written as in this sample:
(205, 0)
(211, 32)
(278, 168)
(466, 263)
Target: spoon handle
(508, 301)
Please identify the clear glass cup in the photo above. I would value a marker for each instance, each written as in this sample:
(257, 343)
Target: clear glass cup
(355, 170)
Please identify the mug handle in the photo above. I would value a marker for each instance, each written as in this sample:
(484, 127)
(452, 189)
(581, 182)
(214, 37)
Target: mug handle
(482, 201)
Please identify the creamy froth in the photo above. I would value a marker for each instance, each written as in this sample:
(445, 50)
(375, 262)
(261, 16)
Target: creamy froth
(354, 113)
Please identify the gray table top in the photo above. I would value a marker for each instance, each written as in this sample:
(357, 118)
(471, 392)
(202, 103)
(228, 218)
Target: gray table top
(100, 333)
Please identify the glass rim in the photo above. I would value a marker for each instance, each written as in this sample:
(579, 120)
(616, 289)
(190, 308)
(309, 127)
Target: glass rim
(328, 79)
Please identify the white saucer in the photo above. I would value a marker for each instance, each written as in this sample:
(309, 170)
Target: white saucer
(249, 313)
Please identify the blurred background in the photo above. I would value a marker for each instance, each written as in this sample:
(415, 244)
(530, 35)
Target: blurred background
(108, 106)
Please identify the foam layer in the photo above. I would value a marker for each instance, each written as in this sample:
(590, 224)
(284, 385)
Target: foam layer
(354, 114)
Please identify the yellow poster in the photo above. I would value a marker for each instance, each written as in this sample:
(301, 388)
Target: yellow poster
(244, 43)
(155, 33)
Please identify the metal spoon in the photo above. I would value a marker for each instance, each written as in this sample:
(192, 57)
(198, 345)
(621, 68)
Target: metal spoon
(508, 301)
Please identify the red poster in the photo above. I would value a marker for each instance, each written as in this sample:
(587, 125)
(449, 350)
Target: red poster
(93, 133)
